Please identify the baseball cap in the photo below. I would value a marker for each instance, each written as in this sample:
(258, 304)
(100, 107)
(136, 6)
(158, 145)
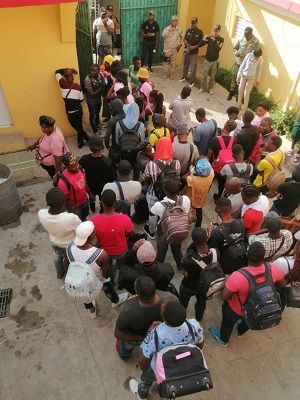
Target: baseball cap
(103, 10)
(183, 127)
(143, 73)
(174, 17)
(194, 19)
(96, 142)
(273, 221)
(152, 12)
(110, 8)
(248, 29)
(69, 159)
(83, 231)
(203, 168)
(146, 253)
(217, 27)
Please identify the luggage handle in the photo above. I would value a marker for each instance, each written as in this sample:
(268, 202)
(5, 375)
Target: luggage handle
(183, 355)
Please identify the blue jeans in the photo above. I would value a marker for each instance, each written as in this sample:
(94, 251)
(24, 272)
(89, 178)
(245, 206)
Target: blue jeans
(126, 348)
(114, 266)
(162, 249)
(147, 378)
(185, 295)
(229, 318)
(94, 111)
(59, 259)
(83, 210)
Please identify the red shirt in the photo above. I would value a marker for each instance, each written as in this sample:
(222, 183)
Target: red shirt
(252, 220)
(111, 232)
(79, 184)
(239, 283)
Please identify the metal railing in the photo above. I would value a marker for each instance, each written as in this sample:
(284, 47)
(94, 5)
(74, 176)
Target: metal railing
(19, 165)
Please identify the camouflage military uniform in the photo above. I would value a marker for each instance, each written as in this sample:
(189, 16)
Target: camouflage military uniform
(171, 36)
(242, 48)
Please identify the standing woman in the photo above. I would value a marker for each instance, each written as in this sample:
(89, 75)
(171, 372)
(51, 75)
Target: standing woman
(157, 107)
(50, 146)
(106, 71)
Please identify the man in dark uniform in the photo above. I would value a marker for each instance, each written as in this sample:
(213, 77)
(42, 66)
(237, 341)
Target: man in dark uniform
(150, 33)
(192, 40)
(210, 65)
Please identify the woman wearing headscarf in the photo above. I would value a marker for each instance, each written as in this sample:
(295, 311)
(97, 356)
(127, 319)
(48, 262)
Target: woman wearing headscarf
(117, 113)
(50, 146)
(130, 123)
(163, 157)
(106, 71)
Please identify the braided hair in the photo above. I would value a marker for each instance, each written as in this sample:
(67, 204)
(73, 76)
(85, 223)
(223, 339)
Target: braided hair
(251, 191)
(159, 100)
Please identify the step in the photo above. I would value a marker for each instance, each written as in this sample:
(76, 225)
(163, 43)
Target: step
(11, 141)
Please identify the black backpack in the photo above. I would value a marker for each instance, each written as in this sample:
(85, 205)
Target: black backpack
(212, 278)
(122, 206)
(234, 256)
(262, 309)
(244, 175)
(128, 142)
(167, 172)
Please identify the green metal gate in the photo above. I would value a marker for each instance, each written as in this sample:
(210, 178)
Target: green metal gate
(84, 39)
(133, 14)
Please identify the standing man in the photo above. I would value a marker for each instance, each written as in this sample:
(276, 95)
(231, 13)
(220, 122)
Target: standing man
(246, 45)
(171, 34)
(94, 84)
(205, 131)
(150, 33)
(192, 40)
(211, 63)
(72, 95)
(103, 30)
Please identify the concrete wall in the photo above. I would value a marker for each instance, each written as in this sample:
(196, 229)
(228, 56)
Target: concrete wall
(280, 45)
(35, 41)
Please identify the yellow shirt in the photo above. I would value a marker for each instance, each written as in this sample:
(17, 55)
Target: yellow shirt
(266, 167)
(153, 139)
(197, 189)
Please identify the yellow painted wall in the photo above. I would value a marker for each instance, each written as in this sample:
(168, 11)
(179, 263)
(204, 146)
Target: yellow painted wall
(280, 40)
(35, 41)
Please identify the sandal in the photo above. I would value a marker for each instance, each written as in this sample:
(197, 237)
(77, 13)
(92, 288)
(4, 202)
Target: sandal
(296, 158)
(290, 153)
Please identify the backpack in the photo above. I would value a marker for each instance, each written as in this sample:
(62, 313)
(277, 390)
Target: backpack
(244, 175)
(181, 369)
(122, 206)
(234, 256)
(167, 172)
(81, 282)
(262, 309)
(174, 224)
(276, 177)
(225, 155)
(212, 278)
(128, 142)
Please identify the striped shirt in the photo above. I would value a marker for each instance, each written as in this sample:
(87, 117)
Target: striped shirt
(74, 98)
(152, 171)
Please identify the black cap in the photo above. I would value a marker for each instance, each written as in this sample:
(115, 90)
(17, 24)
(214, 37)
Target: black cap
(69, 159)
(110, 8)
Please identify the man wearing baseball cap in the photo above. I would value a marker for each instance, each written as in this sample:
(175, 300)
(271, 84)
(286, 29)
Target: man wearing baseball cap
(246, 45)
(103, 30)
(276, 241)
(173, 39)
(210, 66)
(192, 39)
(150, 32)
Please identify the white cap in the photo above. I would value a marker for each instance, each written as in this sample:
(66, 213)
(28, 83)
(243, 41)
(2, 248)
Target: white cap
(83, 231)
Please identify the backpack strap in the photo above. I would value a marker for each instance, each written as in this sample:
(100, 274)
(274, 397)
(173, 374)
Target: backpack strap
(69, 253)
(89, 261)
(191, 330)
(226, 234)
(248, 169)
(234, 170)
(277, 250)
(156, 340)
(214, 255)
(122, 126)
(202, 263)
(69, 186)
(120, 189)
(216, 126)
(155, 133)
(222, 143)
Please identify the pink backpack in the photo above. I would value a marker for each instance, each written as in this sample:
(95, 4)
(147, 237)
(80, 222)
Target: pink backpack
(225, 155)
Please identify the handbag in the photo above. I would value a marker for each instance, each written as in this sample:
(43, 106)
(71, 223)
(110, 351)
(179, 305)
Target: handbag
(39, 158)
(293, 294)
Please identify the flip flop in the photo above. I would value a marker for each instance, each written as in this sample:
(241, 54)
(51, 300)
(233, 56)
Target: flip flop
(290, 153)
(296, 158)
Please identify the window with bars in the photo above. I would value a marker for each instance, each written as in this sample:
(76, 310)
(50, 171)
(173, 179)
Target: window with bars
(240, 27)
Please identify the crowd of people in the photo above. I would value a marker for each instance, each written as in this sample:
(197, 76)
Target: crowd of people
(159, 168)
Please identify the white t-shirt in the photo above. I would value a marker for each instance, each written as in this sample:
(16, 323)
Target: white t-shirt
(168, 335)
(61, 227)
(227, 171)
(282, 264)
(239, 125)
(158, 208)
(103, 37)
(131, 191)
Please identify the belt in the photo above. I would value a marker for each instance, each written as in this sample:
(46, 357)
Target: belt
(72, 112)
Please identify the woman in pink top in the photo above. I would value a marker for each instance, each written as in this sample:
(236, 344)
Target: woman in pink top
(144, 88)
(121, 81)
(50, 147)
(261, 112)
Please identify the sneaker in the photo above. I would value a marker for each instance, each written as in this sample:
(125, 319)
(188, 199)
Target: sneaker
(148, 233)
(191, 84)
(93, 311)
(60, 276)
(172, 77)
(211, 91)
(215, 333)
(80, 143)
(122, 298)
(237, 334)
(133, 386)
(151, 70)
(165, 76)
(201, 91)
(182, 80)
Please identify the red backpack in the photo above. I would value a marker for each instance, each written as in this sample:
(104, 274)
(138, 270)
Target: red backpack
(225, 155)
